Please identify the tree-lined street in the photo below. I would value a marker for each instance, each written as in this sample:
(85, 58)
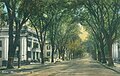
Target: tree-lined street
(77, 67)
(40, 31)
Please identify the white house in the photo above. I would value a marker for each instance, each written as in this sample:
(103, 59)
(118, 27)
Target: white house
(116, 51)
(29, 46)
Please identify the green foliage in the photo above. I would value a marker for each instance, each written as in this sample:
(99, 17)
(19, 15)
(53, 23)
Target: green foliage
(2, 15)
(54, 18)
(16, 13)
(103, 19)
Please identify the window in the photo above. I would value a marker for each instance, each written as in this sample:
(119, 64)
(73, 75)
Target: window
(48, 47)
(0, 43)
(34, 35)
(0, 53)
(29, 43)
(29, 54)
(48, 53)
(35, 45)
(37, 55)
(33, 55)
(29, 34)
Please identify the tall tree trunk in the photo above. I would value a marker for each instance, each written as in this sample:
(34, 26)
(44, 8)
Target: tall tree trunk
(59, 51)
(110, 59)
(63, 54)
(52, 56)
(95, 56)
(10, 50)
(19, 52)
(95, 49)
(40, 40)
(19, 59)
(103, 53)
(99, 56)
(103, 56)
(42, 54)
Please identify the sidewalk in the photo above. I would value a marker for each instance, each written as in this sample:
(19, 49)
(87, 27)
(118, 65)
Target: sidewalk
(115, 68)
(24, 68)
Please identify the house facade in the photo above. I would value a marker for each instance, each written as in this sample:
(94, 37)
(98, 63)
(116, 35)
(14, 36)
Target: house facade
(29, 46)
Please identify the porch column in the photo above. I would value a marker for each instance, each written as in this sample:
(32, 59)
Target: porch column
(23, 48)
(5, 49)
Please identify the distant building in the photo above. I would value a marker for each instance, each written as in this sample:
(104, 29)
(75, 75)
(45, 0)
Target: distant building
(29, 46)
(116, 51)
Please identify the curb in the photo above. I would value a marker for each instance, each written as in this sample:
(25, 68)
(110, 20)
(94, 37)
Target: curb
(108, 67)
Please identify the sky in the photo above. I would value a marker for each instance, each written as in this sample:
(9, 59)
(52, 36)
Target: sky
(84, 34)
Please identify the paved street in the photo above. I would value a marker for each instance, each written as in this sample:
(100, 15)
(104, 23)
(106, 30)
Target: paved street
(77, 67)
